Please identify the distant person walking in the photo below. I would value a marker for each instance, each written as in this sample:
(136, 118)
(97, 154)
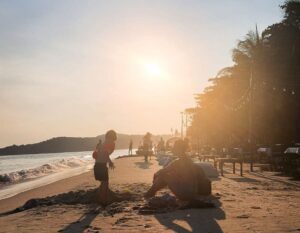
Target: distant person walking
(101, 156)
(161, 145)
(98, 147)
(130, 147)
(147, 146)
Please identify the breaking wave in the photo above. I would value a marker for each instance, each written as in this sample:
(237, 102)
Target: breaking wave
(46, 169)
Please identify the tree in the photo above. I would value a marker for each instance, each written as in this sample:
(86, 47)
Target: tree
(272, 58)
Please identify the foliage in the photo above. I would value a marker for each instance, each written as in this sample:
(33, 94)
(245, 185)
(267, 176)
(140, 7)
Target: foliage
(270, 61)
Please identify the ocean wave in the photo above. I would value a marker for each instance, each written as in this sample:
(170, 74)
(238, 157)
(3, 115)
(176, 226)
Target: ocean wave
(46, 169)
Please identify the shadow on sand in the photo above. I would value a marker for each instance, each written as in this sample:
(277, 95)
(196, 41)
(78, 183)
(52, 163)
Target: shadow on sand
(84, 222)
(193, 220)
(143, 165)
(243, 179)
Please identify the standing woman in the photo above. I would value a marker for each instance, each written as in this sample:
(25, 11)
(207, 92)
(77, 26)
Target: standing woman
(103, 151)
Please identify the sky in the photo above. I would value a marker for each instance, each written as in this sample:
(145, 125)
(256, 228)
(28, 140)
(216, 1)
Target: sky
(78, 68)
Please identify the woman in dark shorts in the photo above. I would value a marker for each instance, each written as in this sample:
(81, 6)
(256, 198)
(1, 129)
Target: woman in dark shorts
(101, 156)
(101, 172)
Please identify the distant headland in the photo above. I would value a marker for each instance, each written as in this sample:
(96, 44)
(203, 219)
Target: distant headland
(73, 144)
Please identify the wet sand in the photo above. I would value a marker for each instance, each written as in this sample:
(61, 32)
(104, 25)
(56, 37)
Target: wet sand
(245, 204)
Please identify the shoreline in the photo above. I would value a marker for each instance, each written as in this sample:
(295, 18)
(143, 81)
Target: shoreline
(14, 188)
(247, 204)
(83, 180)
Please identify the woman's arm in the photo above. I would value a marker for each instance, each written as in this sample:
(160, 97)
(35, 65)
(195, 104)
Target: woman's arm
(110, 163)
(109, 151)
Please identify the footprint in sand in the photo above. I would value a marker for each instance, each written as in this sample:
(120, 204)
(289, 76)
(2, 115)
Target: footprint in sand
(243, 216)
(229, 200)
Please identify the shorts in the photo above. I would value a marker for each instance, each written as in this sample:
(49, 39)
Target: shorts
(101, 172)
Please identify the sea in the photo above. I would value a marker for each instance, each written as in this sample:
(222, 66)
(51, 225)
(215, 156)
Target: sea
(19, 173)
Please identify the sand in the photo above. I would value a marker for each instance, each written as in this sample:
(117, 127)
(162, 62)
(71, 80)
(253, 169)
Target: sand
(243, 204)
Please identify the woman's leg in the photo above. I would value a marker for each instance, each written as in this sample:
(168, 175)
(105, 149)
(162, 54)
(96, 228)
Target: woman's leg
(104, 192)
(99, 193)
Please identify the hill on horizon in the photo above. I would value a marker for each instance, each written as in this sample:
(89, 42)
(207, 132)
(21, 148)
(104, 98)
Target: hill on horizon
(74, 144)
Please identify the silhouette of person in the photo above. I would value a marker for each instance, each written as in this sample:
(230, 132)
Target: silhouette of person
(161, 145)
(99, 145)
(184, 178)
(103, 151)
(147, 146)
(130, 147)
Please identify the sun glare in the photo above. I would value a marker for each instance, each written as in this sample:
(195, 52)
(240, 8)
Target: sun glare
(153, 69)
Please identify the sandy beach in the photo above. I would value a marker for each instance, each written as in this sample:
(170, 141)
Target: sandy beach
(244, 204)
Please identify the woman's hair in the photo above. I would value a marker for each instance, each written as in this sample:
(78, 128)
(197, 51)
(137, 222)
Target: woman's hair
(111, 134)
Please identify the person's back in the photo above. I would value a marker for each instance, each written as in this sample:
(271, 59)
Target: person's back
(190, 178)
(104, 151)
(184, 178)
(184, 174)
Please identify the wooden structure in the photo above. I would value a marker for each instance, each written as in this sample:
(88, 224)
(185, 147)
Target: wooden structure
(204, 158)
(222, 161)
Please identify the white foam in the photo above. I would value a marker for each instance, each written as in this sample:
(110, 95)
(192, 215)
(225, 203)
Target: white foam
(23, 180)
(46, 169)
(15, 189)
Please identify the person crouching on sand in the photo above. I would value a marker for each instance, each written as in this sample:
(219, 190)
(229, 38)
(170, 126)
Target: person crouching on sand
(101, 156)
(184, 178)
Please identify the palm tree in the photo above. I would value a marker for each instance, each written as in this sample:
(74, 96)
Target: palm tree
(249, 50)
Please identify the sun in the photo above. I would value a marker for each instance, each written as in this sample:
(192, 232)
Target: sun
(153, 69)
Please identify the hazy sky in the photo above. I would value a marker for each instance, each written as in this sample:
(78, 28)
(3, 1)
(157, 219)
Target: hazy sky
(78, 68)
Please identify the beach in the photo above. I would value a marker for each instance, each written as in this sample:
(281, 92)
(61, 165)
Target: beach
(243, 204)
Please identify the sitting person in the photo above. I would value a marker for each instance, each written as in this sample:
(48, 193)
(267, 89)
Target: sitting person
(184, 178)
